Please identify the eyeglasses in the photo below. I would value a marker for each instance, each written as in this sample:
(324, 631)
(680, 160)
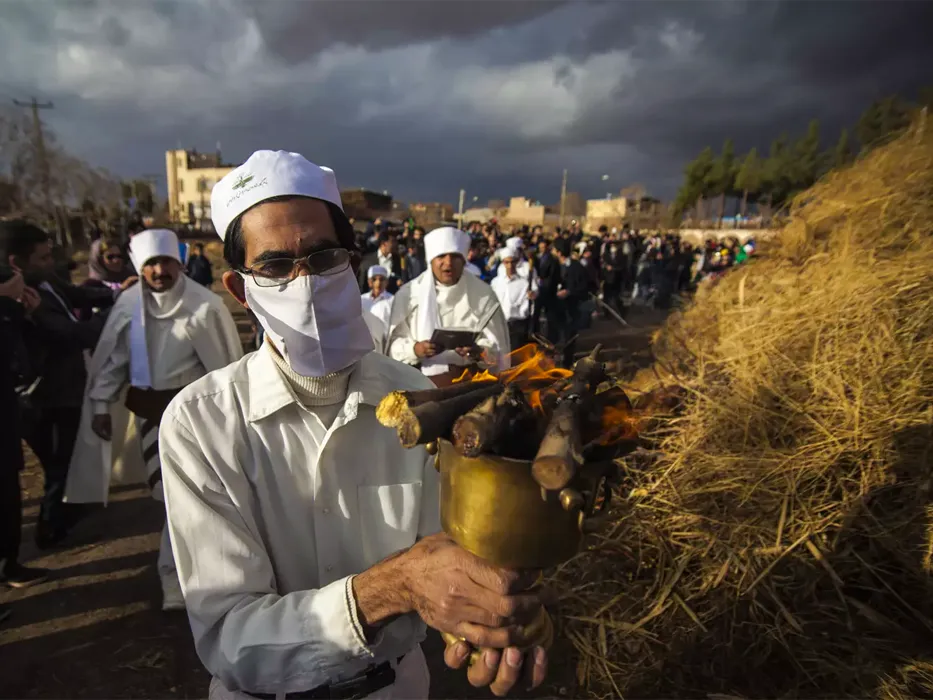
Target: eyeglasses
(280, 271)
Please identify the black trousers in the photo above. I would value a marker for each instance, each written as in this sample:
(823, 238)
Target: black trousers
(11, 507)
(612, 295)
(11, 462)
(52, 437)
(519, 332)
(573, 324)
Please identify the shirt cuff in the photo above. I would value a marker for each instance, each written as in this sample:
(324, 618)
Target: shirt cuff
(335, 606)
(100, 407)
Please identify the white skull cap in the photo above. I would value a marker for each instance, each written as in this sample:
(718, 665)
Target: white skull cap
(268, 174)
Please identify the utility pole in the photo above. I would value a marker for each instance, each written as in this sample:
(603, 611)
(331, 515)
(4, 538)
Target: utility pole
(460, 210)
(563, 198)
(40, 149)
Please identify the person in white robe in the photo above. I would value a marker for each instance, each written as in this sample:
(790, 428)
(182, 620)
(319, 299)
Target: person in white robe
(160, 336)
(516, 295)
(513, 245)
(307, 539)
(378, 301)
(443, 298)
(377, 305)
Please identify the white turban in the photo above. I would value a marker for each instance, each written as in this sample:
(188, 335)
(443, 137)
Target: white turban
(511, 251)
(515, 242)
(444, 241)
(376, 270)
(153, 243)
(268, 174)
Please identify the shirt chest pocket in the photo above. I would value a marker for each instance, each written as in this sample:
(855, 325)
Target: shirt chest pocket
(389, 517)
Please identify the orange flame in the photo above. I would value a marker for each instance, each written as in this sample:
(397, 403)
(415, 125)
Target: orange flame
(617, 423)
(531, 363)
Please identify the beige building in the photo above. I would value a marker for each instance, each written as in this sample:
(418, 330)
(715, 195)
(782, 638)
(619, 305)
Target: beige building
(430, 213)
(191, 176)
(616, 212)
(523, 212)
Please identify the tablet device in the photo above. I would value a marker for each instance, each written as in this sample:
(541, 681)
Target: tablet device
(453, 338)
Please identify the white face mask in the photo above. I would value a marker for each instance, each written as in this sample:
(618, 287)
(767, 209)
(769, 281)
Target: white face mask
(315, 322)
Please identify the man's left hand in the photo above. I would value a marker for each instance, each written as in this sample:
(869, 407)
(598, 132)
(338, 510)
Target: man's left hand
(128, 282)
(500, 669)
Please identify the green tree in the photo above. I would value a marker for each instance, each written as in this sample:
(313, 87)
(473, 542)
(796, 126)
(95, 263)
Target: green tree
(806, 162)
(721, 177)
(696, 182)
(882, 119)
(145, 199)
(842, 153)
(776, 174)
(750, 177)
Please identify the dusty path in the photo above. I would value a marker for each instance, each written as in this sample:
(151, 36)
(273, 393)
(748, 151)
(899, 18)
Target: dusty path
(95, 630)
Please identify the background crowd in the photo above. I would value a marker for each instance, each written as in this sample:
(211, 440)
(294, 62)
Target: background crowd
(575, 275)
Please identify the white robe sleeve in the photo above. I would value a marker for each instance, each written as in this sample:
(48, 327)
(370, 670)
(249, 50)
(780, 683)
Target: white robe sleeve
(400, 340)
(401, 344)
(106, 385)
(246, 634)
(495, 341)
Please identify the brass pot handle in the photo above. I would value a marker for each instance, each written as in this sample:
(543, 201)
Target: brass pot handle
(571, 500)
(596, 519)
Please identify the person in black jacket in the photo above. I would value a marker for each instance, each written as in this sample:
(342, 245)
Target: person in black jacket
(199, 267)
(573, 291)
(56, 341)
(547, 270)
(15, 301)
(615, 276)
(386, 255)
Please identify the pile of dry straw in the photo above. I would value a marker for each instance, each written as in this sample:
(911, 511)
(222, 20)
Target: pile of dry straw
(778, 540)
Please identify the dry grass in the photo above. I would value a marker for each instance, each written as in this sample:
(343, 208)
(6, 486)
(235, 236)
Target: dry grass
(778, 544)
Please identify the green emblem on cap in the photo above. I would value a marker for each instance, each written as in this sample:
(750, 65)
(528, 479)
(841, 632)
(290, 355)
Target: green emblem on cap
(242, 181)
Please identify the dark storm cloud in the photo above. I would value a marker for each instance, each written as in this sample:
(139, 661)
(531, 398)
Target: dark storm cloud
(424, 98)
(297, 29)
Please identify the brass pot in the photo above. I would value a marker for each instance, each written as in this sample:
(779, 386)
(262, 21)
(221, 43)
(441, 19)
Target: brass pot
(492, 506)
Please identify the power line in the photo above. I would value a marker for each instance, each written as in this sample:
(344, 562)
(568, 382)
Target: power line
(35, 105)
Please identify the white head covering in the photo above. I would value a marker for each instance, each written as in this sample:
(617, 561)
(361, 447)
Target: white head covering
(268, 174)
(511, 251)
(444, 241)
(144, 246)
(376, 270)
(515, 242)
(153, 243)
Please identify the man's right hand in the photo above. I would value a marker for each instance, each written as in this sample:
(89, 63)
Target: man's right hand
(102, 426)
(454, 591)
(425, 348)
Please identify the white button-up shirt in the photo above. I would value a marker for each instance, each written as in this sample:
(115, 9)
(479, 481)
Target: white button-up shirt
(272, 511)
(512, 293)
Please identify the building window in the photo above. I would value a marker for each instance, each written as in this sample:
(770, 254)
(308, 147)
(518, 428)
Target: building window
(202, 185)
(181, 186)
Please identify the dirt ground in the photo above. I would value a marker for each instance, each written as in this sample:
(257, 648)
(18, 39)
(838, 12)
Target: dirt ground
(95, 629)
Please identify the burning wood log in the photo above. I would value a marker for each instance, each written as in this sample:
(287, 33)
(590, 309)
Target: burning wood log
(502, 424)
(421, 417)
(561, 449)
(394, 405)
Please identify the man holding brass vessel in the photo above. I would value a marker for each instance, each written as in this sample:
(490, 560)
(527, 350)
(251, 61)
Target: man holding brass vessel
(306, 538)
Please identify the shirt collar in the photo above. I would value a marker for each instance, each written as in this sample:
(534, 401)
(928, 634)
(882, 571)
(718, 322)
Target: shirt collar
(269, 392)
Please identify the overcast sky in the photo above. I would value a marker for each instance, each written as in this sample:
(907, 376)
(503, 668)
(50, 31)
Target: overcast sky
(425, 97)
